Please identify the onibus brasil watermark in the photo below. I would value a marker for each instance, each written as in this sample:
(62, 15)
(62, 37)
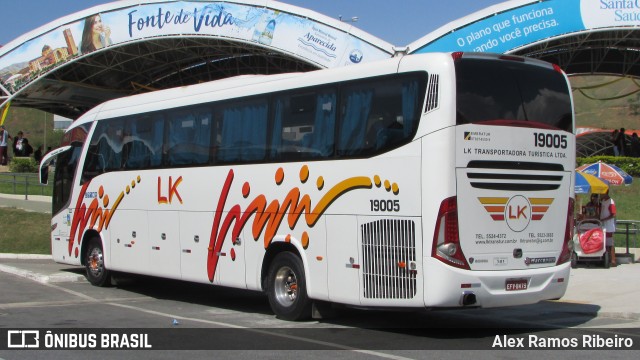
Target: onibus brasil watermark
(37, 339)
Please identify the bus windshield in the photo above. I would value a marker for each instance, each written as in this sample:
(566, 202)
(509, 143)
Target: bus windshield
(511, 90)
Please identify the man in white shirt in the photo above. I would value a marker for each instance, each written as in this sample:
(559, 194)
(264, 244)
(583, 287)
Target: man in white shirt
(608, 218)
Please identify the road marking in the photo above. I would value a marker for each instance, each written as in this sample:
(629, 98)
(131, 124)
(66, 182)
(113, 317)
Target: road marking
(262, 332)
(34, 304)
(89, 299)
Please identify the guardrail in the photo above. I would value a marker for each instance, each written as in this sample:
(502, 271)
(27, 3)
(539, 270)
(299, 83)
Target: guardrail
(19, 183)
(628, 228)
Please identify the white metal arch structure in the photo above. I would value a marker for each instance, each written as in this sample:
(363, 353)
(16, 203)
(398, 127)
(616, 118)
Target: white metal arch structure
(582, 36)
(141, 46)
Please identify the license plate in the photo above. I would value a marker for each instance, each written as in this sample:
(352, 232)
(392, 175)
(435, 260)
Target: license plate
(516, 284)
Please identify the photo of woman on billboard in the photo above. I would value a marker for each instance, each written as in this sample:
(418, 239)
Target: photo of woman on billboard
(95, 34)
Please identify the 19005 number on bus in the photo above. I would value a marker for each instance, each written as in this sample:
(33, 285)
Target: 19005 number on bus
(550, 140)
(385, 205)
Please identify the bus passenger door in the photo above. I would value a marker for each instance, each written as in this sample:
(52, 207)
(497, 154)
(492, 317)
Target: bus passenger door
(60, 236)
(129, 240)
(195, 231)
(164, 244)
(343, 259)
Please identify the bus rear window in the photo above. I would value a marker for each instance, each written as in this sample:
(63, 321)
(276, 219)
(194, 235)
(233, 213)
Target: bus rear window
(490, 90)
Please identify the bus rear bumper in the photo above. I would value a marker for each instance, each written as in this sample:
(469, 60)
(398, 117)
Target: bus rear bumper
(454, 287)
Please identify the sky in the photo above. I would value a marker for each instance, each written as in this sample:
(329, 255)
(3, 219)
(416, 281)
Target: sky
(398, 22)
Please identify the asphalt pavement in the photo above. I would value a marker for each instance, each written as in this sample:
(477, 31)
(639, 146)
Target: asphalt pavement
(613, 291)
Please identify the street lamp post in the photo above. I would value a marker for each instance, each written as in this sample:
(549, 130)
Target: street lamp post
(44, 145)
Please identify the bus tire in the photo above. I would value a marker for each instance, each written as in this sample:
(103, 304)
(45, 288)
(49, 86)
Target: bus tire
(287, 288)
(97, 273)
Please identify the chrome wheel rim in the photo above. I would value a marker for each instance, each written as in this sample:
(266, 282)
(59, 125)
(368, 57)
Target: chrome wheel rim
(95, 262)
(286, 286)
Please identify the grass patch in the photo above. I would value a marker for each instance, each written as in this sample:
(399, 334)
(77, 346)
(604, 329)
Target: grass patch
(23, 232)
(17, 184)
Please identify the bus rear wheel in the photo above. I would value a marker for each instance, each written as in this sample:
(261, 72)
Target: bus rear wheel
(97, 273)
(287, 289)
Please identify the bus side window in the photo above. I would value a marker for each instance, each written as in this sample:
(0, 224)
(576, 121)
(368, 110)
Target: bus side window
(93, 165)
(138, 149)
(398, 125)
(355, 114)
(105, 149)
(303, 126)
(378, 116)
(244, 131)
(322, 137)
(189, 137)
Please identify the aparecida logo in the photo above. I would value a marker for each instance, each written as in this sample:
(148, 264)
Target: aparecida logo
(23, 339)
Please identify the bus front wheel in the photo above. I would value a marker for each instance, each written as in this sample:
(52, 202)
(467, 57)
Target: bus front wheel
(97, 273)
(287, 289)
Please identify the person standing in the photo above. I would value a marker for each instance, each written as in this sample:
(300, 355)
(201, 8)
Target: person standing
(27, 149)
(635, 145)
(4, 148)
(614, 141)
(608, 218)
(17, 144)
(37, 155)
(621, 142)
(592, 209)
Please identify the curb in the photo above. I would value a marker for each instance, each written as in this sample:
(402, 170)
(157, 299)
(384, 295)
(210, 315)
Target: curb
(53, 278)
(621, 315)
(45, 279)
(32, 198)
(25, 256)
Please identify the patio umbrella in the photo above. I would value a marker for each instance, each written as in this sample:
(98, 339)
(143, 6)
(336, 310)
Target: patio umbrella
(586, 183)
(610, 173)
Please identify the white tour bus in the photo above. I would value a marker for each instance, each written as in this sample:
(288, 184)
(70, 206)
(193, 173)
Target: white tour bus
(435, 180)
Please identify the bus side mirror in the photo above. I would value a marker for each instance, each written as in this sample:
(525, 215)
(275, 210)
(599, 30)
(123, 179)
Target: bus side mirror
(46, 161)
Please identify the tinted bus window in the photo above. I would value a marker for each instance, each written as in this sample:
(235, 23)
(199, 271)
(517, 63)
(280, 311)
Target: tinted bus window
(66, 165)
(511, 90)
(243, 134)
(189, 136)
(142, 146)
(304, 125)
(379, 115)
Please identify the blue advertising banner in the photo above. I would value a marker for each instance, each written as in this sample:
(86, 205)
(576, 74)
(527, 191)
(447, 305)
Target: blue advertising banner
(512, 28)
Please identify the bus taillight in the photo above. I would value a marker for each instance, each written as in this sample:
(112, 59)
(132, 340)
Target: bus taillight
(446, 239)
(567, 246)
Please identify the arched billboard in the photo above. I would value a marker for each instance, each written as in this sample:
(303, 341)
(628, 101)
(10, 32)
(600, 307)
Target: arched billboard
(303, 34)
(511, 25)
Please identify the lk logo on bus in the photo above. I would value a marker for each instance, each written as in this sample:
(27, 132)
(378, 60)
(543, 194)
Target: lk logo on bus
(517, 211)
